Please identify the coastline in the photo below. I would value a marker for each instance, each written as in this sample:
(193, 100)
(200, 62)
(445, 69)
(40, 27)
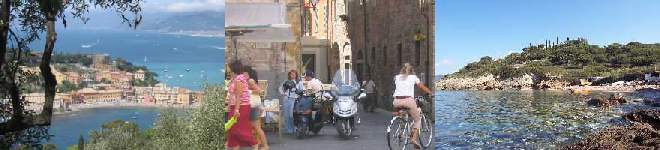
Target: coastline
(526, 83)
(79, 107)
(620, 89)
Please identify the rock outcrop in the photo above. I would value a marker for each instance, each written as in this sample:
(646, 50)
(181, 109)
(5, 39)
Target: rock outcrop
(642, 133)
(650, 96)
(490, 82)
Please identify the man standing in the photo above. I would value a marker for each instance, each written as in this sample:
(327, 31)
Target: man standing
(370, 89)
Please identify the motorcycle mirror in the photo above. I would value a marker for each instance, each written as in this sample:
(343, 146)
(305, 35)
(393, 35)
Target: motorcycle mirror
(362, 96)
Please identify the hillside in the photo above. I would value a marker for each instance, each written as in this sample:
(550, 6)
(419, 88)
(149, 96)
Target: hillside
(569, 61)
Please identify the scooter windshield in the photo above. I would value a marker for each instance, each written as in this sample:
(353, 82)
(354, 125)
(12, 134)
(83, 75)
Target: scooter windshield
(345, 83)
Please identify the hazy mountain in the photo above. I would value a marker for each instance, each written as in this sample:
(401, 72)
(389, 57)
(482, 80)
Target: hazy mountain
(194, 23)
(206, 23)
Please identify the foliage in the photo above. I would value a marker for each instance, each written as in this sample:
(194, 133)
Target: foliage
(67, 86)
(171, 131)
(118, 134)
(208, 120)
(201, 128)
(571, 60)
(69, 58)
(23, 22)
(149, 77)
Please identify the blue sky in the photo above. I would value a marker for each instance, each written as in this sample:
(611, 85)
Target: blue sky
(470, 29)
(108, 19)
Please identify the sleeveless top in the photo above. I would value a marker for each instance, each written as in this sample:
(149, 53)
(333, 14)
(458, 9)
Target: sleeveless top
(245, 94)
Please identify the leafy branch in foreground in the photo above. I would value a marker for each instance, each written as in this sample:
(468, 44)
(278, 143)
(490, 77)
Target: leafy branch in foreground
(198, 128)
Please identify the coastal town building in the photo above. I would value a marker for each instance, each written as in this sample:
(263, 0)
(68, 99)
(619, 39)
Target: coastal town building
(325, 41)
(103, 83)
(265, 34)
(143, 94)
(36, 101)
(101, 61)
(197, 97)
(164, 95)
(73, 77)
(183, 97)
(88, 95)
(385, 34)
(139, 75)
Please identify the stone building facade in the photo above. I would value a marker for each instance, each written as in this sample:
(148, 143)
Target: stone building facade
(386, 34)
(271, 60)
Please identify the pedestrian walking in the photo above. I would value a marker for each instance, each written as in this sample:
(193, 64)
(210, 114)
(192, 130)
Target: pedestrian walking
(370, 89)
(240, 134)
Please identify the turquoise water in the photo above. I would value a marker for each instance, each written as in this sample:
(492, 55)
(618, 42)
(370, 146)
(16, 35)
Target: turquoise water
(203, 56)
(67, 128)
(179, 60)
(188, 75)
(517, 119)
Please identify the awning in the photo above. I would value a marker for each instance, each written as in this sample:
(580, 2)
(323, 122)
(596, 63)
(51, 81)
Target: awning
(254, 14)
(259, 22)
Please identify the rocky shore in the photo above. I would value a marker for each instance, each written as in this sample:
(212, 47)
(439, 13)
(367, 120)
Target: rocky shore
(528, 82)
(641, 132)
(490, 82)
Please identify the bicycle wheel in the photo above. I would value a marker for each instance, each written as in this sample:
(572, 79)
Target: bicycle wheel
(397, 134)
(425, 132)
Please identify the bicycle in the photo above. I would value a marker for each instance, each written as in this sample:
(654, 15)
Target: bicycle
(400, 127)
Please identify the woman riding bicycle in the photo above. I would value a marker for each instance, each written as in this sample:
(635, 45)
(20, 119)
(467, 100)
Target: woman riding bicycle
(404, 94)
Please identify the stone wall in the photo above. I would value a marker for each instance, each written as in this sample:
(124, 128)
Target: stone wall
(383, 37)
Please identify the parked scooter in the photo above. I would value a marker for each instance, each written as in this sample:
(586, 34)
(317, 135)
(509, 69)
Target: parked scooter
(306, 117)
(345, 96)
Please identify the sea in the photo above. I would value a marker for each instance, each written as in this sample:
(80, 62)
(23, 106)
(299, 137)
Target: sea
(179, 60)
(519, 119)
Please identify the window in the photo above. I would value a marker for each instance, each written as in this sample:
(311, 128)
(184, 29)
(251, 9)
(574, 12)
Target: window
(418, 53)
(373, 54)
(400, 57)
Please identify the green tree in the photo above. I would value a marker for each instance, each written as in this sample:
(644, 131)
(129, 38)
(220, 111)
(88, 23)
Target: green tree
(207, 123)
(32, 18)
(67, 86)
(172, 131)
(81, 143)
(118, 134)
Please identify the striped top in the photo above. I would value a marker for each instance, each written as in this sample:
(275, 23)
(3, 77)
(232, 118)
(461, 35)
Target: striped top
(245, 94)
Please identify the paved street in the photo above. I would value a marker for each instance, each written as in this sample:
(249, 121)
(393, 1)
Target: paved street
(369, 135)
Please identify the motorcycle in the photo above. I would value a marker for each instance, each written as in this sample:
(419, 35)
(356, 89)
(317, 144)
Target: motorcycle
(302, 115)
(306, 114)
(345, 95)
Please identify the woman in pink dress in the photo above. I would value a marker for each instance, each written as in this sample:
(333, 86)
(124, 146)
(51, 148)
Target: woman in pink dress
(240, 135)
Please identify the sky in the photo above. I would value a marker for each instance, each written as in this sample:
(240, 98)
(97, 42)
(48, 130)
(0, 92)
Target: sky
(108, 19)
(467, 30)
